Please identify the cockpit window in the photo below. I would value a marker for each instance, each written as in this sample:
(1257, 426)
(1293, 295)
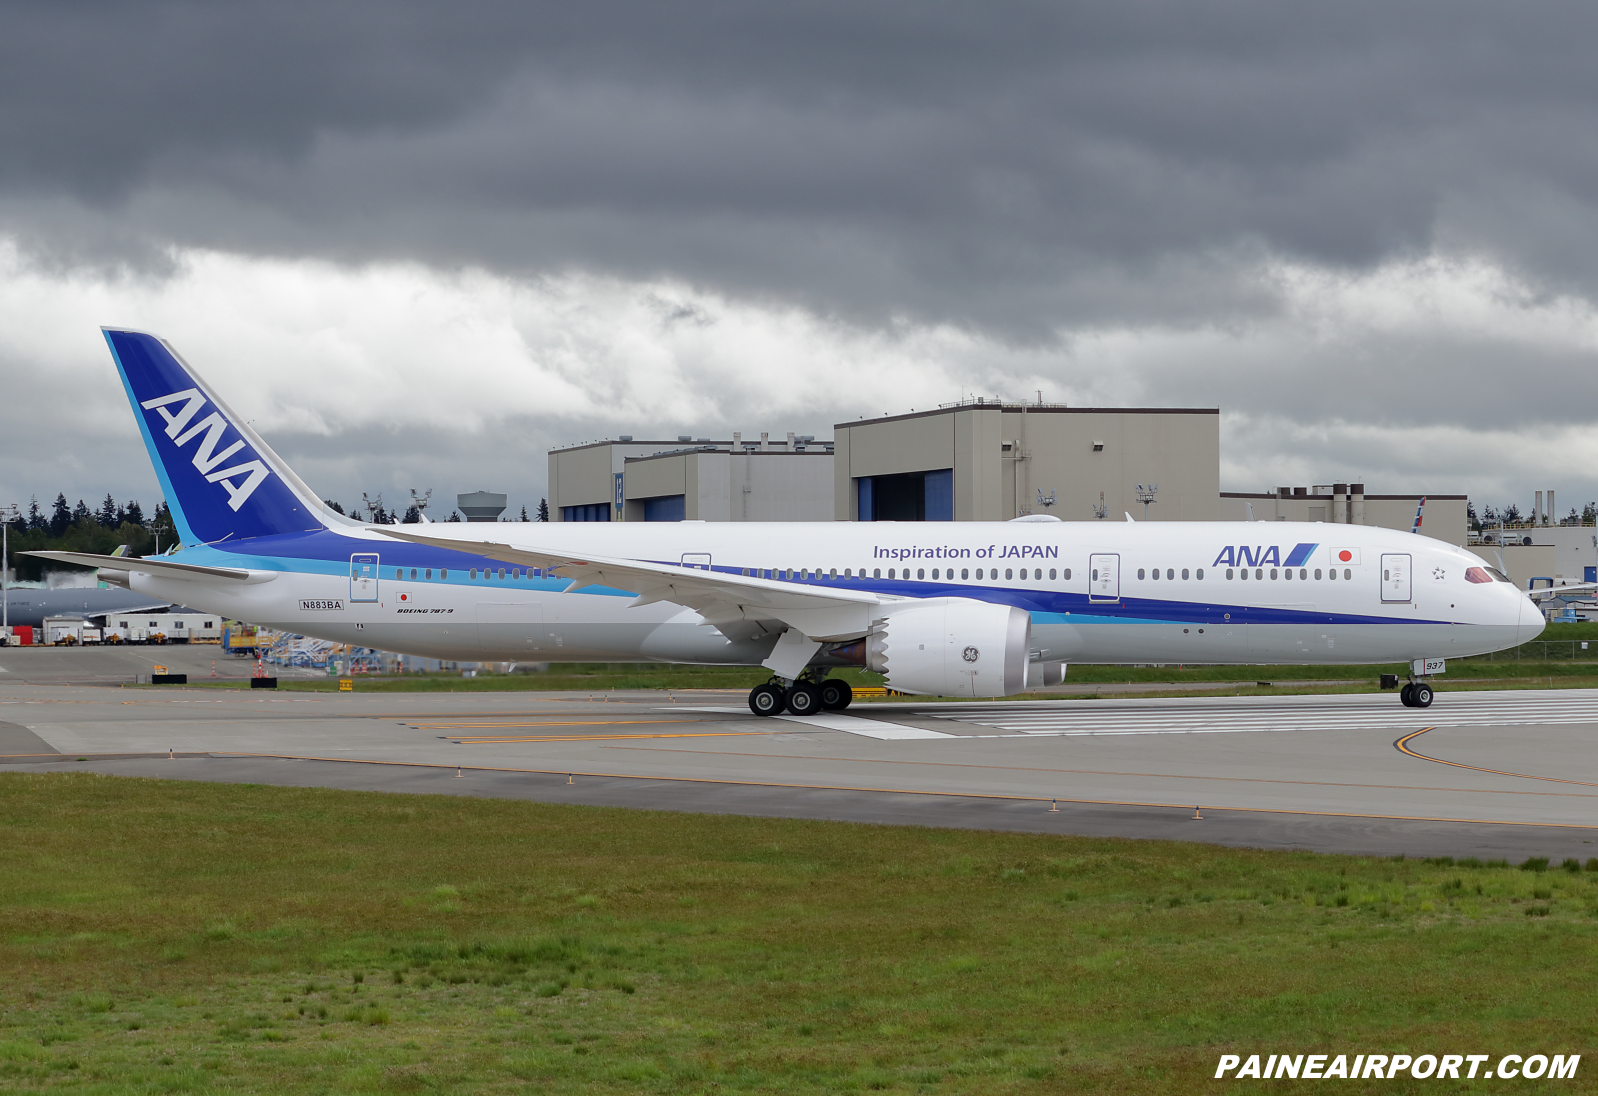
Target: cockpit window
(1499, 575)
(1477, 574)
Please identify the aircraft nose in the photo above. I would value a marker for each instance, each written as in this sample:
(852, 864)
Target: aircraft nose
(1531, 623)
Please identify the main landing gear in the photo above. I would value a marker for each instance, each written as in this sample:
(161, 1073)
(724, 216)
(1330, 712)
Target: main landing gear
(812, 692)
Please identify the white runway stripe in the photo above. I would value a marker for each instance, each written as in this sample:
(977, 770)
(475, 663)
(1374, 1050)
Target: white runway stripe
(1156, 717)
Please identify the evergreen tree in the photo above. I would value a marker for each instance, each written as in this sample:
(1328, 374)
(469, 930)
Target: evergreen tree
(36, 522)
(1589, 514)
(333, 506)
(454, 515)
(413, 516)
(135, 513)
(1511, 514)
(107, 517)
(1471, 520)
(543, 509)
(61, 517)
(524, 513)
(80, 512)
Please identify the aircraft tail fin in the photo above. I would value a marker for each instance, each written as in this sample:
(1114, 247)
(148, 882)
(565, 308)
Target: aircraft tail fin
(222, 482)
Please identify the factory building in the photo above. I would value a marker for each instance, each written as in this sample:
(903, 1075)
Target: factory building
(693, 479)
(481, 505)
(1445, 517)
(982, 460)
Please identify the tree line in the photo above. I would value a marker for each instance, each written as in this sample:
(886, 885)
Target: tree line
(68, 528)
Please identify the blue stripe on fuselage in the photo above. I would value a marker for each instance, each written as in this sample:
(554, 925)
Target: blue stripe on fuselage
(326, 552)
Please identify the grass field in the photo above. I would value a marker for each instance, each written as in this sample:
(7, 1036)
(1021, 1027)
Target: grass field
(177, 937)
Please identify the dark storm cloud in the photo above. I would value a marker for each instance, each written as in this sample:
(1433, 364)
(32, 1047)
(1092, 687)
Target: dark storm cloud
(986, 164)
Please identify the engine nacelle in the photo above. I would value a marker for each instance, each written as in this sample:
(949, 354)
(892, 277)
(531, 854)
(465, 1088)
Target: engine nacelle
(952, 646)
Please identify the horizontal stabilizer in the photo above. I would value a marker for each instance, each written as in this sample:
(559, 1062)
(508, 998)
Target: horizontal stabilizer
(164, 568)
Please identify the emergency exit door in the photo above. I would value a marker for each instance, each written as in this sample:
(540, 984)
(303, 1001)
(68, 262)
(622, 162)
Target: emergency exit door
(1395, 577)
(1104, 577)
(363, 578)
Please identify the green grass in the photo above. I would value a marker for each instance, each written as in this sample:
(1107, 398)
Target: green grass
(177, 937)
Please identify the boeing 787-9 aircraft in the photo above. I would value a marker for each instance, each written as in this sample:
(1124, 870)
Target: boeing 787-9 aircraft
(940, 608)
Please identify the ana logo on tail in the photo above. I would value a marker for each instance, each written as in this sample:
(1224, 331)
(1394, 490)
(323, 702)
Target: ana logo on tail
(241, 480)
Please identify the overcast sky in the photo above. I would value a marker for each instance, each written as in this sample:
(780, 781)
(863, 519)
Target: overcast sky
(420, 244)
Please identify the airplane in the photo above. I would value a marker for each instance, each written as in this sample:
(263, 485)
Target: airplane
(972, 609)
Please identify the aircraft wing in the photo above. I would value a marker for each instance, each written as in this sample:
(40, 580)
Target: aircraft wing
(823, 613)
(164, 568)
(1546, 591)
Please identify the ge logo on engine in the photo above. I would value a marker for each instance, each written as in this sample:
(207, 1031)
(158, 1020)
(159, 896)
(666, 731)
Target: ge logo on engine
(970, 654)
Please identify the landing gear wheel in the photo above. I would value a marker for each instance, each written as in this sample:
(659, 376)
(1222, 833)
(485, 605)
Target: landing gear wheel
(1420, 695)
(835, 695)
(1406, 695)
(804, 698)
(767, 699)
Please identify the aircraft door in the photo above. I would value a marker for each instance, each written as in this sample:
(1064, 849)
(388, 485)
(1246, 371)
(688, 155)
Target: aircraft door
(1395, 576)
(363, 578)
(1104, 577)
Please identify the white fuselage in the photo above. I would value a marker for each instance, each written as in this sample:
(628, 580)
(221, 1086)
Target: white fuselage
(1353, 594)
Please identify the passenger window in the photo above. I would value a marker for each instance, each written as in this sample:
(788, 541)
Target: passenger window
(964, 573)
(921, 572)
(1228, 574)
(429, 572)
(833, 574)
(1348, 573)
(1170, 572)
(890, 572)
(876, 572)
(444, 573)
(474, 572)
(1273, 574)
(413, 572)
(1184, 574)
(1287, 574)
(1259, 573)
(1199, 574)
(1155, 576)
(1303, 573)
(399, 572)
(848, 572)
(1317, 574)
(1037, 573)
(1051, 574)
(1068, 574)
(1140, 572)
(1331, 574)
(934, 572)
(1095, 575)
(979, 572)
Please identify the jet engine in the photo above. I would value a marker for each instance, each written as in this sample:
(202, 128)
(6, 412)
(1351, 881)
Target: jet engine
(952, 647)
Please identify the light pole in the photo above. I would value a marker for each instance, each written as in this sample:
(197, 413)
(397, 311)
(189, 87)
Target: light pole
(1145, 495)
(8, 514)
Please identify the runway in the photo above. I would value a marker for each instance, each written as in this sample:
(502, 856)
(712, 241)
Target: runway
(1488, 774)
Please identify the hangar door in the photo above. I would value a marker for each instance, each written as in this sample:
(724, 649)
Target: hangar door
(1395, 576)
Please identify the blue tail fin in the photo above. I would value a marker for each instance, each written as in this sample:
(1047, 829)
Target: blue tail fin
(222, 482)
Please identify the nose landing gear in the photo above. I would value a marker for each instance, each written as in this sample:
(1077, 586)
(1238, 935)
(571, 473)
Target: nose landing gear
(1417, 694)
(808, 694)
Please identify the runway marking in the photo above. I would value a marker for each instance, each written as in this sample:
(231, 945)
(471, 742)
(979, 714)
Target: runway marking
(1110, 772)
(1091, 720)
(1403, 746)
(866, 728)
(578, 723)
(902, 791)
(837, 721)
(504, 740)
